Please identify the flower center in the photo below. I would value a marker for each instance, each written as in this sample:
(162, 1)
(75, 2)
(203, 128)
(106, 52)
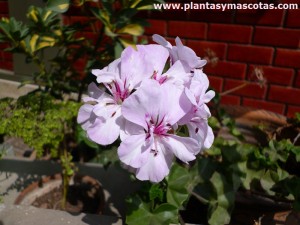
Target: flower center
(161, 79)
(158, 127)
(119, 91)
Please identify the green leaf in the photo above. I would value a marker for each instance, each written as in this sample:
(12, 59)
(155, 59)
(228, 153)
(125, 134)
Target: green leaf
(118, 49)
(82, 137)
(221, 209)
(145, 4)
(139, 213)
(296, 151)
(156, 192)
(180, 182)
(237, 152)
(132, 29)
(214, 122)
(126, 43)
(267, 182)
(60, 6)
(220, 216)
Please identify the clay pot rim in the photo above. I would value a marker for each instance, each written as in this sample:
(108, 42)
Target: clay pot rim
(54, 178)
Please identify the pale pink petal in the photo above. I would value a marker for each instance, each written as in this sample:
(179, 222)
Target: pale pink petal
(84, 113)
(156, 56)
(184, 148)
(209, 138)
(174, 103)
(114, 66)
(94, 91)
(201, 132)
(188, 116)
(128, 128)
(107, 132)
(187, 55)
(135, 67)
(201, 78)
(134, 151)
(198, 133)
(106, 77)
(209, 96)
(162, 41)
(157, 166)
(106, 111)
(190, 95)
(176, 74)
(142, 103)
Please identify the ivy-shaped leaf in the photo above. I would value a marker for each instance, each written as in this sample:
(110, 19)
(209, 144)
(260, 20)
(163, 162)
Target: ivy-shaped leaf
(140, 213)
(178, 181)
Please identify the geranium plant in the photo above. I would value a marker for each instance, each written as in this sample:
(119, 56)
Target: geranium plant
(154, 100)
(152, 104)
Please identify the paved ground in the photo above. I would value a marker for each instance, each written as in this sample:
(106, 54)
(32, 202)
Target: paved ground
(15, 174)
(28, 215)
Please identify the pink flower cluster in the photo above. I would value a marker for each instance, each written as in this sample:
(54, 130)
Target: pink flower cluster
(148, 94)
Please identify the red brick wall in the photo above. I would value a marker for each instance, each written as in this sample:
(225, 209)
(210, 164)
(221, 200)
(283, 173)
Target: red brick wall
(5, 57)
(243, 40)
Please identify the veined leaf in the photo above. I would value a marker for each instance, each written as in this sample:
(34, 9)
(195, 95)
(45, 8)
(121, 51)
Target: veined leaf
(140, 213)
(178, 181)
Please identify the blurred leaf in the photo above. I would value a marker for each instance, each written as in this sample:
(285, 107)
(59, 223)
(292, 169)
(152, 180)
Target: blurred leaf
(145, 4)
(118, 48)
(82, 137)
(109, 32)
(32, 42)
(133, 29)
(213, 122)
(221, 210)
(156, 193)
(126, 43)
(296, 151)
(59, 6)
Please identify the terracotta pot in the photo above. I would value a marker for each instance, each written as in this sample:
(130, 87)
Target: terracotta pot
(85, 194)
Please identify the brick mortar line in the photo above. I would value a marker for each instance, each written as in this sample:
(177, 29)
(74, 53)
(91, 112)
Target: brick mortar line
(274, 57)
(284, 18)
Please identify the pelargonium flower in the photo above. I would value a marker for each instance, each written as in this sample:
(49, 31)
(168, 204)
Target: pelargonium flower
(151, 144)
(145, 105)
(180, 52)
(196, 119)
(176, 75)
(101, 115)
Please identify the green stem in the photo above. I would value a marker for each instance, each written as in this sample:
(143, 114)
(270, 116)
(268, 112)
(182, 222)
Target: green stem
(66, 178)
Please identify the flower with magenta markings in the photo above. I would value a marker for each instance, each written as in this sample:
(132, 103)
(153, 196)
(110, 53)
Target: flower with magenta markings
(180, 52)
(120, 78)
(153, 111)
(145, 99)
(196, 119)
